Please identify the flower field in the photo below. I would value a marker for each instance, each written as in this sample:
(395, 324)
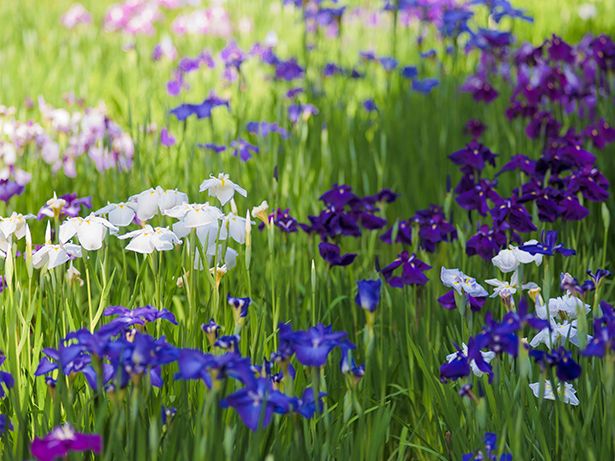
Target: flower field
(307, 229)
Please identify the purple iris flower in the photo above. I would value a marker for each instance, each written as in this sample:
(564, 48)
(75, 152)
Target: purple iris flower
(519, 162)
(604, 333)
(217, 148)
(548, 246)
(283, 220)
(8, 189)
(298, 112)
(412, 271)
(424, 86)
(473, 157)
(167, 414)
(475, 128)
(600, 134)
(264, 129)
(228, 343)
(370, 106)
(202, 110)
(6, 379)
(5, 424)
(347, 364)
(480, 89)
(403, 233)
(499, 337)
(307, 406)
(388, 63)
(487, 242)
(313, 346)
(61, 441)
(194, 364)
(368, 294)
(243, 149)
(515, 214)
(561, 359)
(489, 453)
(166, 138)
(288, 70)
(240, 305)
(139, 315)
(409, 72)
(455, 369)
(559, 50)
(256, 404)
(333, 255)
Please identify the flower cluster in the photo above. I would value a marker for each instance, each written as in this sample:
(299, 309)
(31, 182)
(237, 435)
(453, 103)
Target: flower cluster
(345, 214)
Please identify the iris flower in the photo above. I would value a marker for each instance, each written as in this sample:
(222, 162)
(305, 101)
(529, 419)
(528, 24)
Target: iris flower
(222, 188)
(61, 441)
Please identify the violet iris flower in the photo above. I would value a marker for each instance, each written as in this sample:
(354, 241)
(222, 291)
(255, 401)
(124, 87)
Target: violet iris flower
(313, 346)
(412, 271)
(8, 189)
(368, 294)
(489, 453)
(202, 110)
(61, 441)
(561, 359)
(548, 246)
(256, 404)
(332, 254)
(243, 149)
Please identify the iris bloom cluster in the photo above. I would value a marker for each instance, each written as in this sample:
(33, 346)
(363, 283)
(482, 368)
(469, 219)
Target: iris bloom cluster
(554, 322)
(345, 214)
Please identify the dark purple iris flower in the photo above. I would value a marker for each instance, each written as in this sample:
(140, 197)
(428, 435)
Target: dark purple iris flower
(61, 441)
(600, 134)
(283, 220)
(473, 157)
(455, 369)
(368, 294)
(257, 403)
(487, 242)
(475, 128)
(519, 162)
(477, 196)
(561, 359)
(548, 246)
(480, 89)
(312, 346)
(604, 333)
(332, 254)
(515, 214)
(559, 50)
(412, 271)
(240, 305)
